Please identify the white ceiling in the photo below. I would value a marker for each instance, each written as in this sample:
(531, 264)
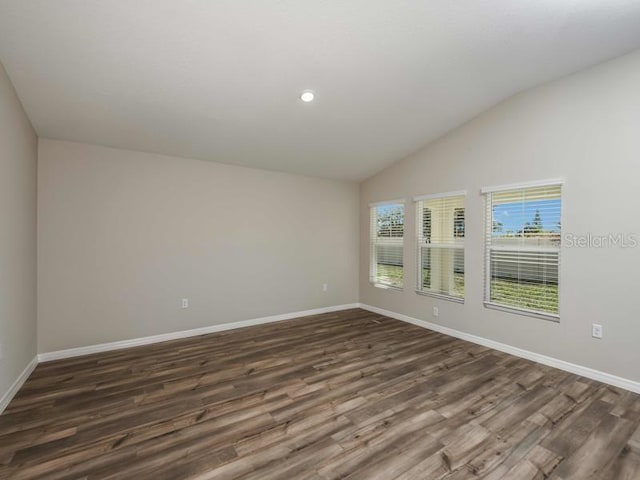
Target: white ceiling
(220, 80)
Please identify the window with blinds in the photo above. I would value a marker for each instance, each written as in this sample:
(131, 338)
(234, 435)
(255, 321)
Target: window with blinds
(387, 244)
(523, 237)
(440, 240)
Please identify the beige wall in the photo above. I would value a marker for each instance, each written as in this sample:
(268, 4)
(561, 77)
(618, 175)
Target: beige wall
(18, 160)
(585, 128)
(123, 236)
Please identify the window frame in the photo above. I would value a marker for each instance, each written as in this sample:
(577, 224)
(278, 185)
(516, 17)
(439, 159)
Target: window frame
(459, 242)
(487, 194)
(373, 279)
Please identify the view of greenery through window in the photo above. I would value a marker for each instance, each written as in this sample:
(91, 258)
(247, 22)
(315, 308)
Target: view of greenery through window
(458, 281)
(390, 274)
(503, 291)
(531, 295)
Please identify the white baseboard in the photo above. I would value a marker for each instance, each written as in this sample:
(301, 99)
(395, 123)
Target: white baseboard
(135, 342)
(587, 372)
(15, 386)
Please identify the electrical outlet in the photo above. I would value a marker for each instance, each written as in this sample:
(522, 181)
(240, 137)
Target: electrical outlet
(436, 312)
(325, 287)
(596, 331)
(185, 303)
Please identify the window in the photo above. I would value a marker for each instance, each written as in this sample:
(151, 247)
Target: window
(441, 245)
(523, 232)
(387, 244)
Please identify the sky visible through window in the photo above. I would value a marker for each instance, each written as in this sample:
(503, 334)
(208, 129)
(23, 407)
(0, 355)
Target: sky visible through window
(511, 218)
(385, 210)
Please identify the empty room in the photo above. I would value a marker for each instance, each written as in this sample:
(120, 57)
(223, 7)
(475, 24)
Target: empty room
(319, 239)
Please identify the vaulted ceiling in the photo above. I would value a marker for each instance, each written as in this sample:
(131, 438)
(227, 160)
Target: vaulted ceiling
(220, 80)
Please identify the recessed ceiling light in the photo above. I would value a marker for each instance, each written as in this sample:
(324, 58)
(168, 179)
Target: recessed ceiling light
(307, 96)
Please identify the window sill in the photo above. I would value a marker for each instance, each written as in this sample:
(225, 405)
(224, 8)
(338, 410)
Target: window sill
(385, 287)
(441, 296)
(521, 311)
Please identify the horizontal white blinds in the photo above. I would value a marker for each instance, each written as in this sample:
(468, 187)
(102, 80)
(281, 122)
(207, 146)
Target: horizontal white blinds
(441, 231)
(523, 236)
(386, 244)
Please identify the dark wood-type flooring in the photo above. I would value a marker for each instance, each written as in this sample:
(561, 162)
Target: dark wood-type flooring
(351, 395)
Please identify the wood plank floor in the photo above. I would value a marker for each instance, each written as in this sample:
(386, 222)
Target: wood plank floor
(344, 395)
